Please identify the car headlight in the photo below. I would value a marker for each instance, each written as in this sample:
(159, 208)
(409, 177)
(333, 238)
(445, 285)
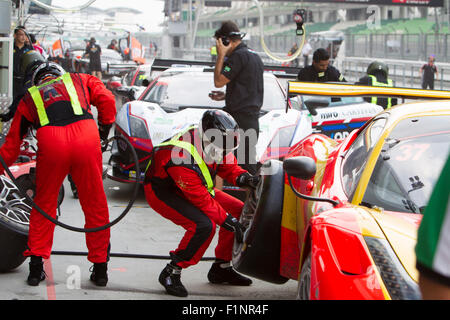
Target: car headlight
(397, 281)
(138, 128)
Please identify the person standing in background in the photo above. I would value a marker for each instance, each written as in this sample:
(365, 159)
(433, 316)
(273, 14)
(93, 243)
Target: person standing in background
(242, 73)
(377, 75)
(320, 70)
(306, 51)
(113, 45)
(427, 72)
(94, 52)
(20, 47)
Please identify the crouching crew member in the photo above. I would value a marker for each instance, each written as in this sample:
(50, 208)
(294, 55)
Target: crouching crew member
(179, 186)
(58, 107)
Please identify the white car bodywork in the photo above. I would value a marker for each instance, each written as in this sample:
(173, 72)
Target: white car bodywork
(162, 125)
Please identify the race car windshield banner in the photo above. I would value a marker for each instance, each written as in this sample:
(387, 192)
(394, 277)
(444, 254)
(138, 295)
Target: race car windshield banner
(429, 3)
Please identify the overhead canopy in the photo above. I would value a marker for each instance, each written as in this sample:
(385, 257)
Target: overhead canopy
(412, 3)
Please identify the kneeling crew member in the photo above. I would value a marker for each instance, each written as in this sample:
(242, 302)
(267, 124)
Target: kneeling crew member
(58, 106)
(179, 186)
(378, 76)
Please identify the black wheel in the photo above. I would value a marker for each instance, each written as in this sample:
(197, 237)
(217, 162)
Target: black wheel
(304, 283)
(14, 223)
(27, 183)
(259, 255)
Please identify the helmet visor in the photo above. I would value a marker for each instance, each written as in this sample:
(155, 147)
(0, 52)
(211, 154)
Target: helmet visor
(216, 144)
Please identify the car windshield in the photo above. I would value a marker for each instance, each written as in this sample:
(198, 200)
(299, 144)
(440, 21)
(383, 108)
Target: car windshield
(335, 101)
(409, 164)
(189, 89)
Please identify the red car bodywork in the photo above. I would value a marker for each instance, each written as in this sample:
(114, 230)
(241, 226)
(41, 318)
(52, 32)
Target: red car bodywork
(342, 264)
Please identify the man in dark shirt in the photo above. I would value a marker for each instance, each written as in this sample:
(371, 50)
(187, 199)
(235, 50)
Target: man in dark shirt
(94, 51)
(20, 47)
(427, 71)
(320, 70)
(242, 73)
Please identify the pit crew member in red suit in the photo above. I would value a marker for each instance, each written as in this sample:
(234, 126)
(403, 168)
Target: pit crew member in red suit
(179, 186)
(58, 106)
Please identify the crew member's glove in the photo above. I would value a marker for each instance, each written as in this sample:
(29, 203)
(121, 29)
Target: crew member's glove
(232, 224)
(103, 130)
(247, 180)
(4, 117)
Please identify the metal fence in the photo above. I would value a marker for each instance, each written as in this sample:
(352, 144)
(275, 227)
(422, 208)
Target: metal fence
(404, 73)
(399, 46)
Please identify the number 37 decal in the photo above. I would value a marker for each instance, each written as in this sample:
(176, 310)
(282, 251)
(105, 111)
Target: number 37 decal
(413, 151)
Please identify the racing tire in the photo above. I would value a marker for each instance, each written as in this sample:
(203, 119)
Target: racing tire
(259, 254)
(14, 224)
(26, 183)
(304, 282)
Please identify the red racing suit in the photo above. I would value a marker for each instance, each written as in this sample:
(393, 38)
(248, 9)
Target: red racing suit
(175, 188)
(68, 142)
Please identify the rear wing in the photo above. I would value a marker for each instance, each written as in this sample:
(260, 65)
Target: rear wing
(125, 67)
(352, 90)
(164, 64)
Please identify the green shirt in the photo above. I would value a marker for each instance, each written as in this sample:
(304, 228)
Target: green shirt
(433, 240)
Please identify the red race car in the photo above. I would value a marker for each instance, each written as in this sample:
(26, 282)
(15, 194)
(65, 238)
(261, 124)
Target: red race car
(341, 217)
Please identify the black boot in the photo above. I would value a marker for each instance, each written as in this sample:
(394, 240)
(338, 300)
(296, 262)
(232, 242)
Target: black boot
(37, 273)
(222, 272)
(99, 274)
(170, 278)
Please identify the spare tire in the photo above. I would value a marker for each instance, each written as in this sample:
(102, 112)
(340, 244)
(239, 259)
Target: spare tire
(14, 223)
(259, 254)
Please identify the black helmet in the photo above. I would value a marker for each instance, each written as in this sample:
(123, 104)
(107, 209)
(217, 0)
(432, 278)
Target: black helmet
(46, 69)
(219, 133)
(378, 66)
(29, 61)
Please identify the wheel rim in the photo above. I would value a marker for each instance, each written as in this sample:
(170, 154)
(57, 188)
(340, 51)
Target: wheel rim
(304, 284)
(12, 205)
(248, 213)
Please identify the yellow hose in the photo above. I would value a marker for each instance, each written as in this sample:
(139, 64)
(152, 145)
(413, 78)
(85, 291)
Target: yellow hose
(266, 50)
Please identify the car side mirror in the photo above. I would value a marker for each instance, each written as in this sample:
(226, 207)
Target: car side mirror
(303, 168)
(314, 103)
(300, 167)
(126, 92)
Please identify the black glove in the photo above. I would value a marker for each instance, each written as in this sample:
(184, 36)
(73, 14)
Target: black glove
(232, 224)
(4, 117)
(247, 180)
(103, 130)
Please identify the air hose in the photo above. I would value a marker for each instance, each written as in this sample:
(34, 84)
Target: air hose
(125, 255)
(263, 43)
(86, 230)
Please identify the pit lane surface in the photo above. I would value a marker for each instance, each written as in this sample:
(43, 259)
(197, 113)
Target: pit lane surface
(142, 231)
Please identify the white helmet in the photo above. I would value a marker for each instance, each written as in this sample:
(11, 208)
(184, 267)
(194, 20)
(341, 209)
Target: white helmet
(45, 70)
